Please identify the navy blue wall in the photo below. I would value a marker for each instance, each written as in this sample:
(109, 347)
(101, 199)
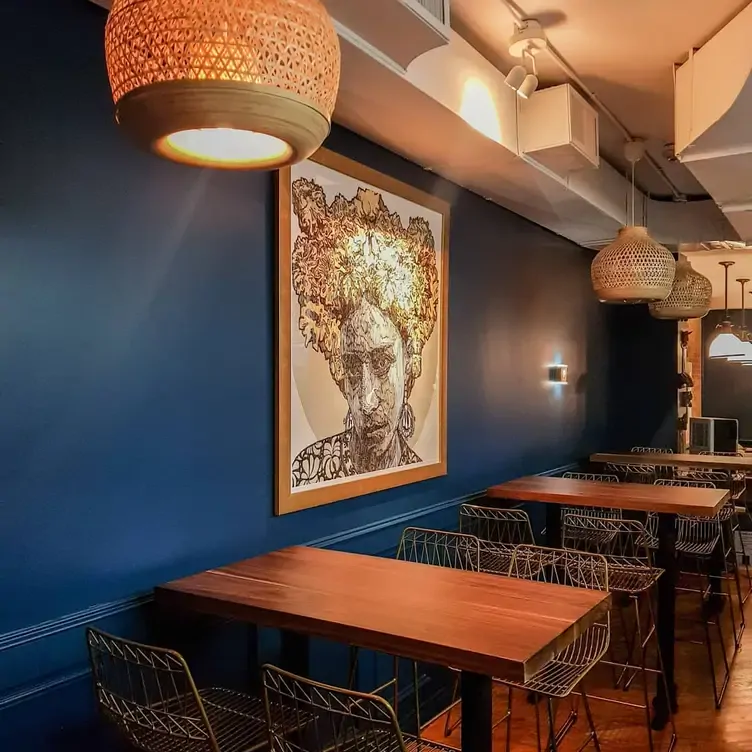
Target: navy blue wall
(136, 386)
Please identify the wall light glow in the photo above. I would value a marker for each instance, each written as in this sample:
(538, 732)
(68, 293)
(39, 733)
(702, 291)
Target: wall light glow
(478, 109)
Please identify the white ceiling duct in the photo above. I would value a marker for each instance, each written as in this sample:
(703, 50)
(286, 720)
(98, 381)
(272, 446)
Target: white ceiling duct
(713, 111)
(417, 88)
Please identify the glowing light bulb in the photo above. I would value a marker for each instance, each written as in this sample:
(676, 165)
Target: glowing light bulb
(224, 147)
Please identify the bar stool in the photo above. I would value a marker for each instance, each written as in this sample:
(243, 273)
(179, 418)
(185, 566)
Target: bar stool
(437, 548)
(337, 720)
(697, 539)
(150, 695)
(499, 531)
(602, 512)
(565, 672)
(442, 549)
(661, 471)
(633, 472)
(632, 575)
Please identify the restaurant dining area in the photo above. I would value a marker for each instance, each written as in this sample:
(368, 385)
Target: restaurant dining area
(374, 376)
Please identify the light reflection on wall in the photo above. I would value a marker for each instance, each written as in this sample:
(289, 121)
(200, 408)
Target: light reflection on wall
(478, 109)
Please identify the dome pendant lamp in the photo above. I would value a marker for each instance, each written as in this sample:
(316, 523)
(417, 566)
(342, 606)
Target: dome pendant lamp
(634, 268)
(725, 343)
(690, 296)
(237, 84)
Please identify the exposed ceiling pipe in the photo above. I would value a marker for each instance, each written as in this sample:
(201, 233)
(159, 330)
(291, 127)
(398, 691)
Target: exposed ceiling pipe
(520, 18)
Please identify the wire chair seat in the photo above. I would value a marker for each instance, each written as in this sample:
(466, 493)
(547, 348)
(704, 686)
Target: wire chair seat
(632, 579)
(561, 675)
(598, 477)
(495, 558)
(341, 720)
(237, 722)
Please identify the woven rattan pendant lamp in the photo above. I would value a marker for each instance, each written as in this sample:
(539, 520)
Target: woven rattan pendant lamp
(239, 84)
(690, 296)
(634, 268)
(725, 343)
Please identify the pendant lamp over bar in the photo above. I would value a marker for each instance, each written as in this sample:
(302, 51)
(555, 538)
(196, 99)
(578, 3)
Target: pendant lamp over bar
(690, 296)
(743, 334)
(237, 84)
(725, 343)
(634, 268)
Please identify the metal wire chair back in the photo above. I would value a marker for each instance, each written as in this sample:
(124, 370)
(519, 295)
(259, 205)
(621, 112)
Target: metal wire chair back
(724, 454)
(599, 477)
(499, 526)
(440, 548)
(633, 472)
(560, 567)
(149, 693)
(650, 450)
(697, 535)
(624, 543)
(326, 718)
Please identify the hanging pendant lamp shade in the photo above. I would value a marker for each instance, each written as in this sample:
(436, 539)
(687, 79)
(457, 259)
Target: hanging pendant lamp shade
(243, 84)
(690, 296)
(633, 269)
(725, 343)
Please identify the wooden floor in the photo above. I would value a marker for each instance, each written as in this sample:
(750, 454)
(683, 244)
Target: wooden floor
(700, 728)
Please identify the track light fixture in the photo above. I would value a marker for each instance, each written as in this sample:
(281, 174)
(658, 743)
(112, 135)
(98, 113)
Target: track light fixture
(529, 85)
(516, 77)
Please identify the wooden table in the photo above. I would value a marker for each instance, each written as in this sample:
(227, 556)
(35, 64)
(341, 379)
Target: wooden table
(666, 501)
(638, 497)
(705, 461)
(482, 624)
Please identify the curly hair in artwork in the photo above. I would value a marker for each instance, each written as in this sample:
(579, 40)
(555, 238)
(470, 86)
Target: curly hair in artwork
(354, 250)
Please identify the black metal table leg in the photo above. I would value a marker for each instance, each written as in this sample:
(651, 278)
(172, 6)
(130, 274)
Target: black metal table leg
(476, 712)
(666, 627)
(294, 654)
(553, 525)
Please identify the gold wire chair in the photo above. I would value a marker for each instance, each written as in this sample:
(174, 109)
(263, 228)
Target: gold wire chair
(443, 549)
(566, 671)
(150, 695)
(633, 472)
(499, 531)
(697, 538)
(341, 720)
(631, 573)
(602, 512)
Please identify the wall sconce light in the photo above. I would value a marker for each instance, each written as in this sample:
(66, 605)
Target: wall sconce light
(558, 374)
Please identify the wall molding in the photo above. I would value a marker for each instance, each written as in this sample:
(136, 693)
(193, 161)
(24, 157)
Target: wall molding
(87, 616)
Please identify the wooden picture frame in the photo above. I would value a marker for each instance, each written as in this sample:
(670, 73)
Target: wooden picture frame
(346, 383)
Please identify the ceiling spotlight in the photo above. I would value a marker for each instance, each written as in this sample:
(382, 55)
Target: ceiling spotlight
(529, 85)
(516, 77)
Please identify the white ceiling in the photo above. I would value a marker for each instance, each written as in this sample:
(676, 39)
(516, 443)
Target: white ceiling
(624, 50)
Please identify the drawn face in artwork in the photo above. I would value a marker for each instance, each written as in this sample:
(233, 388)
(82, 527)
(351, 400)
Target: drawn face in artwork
(374, 385)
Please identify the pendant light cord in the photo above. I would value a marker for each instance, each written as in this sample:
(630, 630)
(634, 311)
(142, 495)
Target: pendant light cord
(633, 191)
(726, 293)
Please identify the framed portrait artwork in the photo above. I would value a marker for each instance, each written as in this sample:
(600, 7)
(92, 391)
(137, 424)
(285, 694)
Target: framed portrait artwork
(362, 332)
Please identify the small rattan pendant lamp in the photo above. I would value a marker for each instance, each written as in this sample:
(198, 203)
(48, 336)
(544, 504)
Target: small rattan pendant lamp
(690, 295)
(634, 268)
(239, 84)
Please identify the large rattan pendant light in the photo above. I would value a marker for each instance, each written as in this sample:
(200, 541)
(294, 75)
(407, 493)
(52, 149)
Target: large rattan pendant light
(240, 84)
(634, 268)
(690, 295)
(725, 343)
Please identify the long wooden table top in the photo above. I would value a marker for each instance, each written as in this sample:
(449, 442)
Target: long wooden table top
(707, 461)
(483, 623)
(702, 502)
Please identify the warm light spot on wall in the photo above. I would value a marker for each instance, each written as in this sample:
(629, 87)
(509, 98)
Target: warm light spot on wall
(478, 109)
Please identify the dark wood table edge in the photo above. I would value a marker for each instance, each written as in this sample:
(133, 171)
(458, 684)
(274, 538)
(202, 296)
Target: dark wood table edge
(421, 650)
